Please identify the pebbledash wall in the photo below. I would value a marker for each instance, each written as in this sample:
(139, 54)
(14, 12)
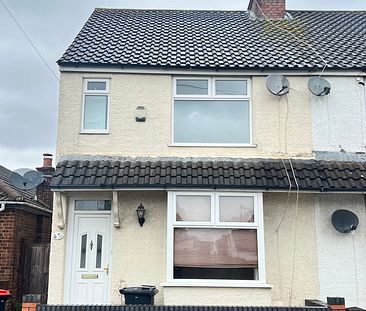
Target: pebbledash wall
(341, 256)
(279, 125)
(339, 119)
(139, 255)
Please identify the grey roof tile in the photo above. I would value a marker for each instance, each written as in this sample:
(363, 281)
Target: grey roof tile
(267, 174)
(219, 39)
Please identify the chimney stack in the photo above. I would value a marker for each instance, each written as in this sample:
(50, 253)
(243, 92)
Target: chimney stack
(271, 9)
(43, 191)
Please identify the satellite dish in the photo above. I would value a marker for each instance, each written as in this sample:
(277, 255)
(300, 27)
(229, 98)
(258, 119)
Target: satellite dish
(319, 86)
(344, 221)
(277, 84)
(26, 179)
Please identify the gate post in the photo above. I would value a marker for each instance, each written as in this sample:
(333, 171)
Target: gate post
(30, 302)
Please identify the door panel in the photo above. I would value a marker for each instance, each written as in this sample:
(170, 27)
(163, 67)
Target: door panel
(91, 255)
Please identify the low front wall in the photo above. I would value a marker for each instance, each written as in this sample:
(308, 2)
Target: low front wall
(139, 254)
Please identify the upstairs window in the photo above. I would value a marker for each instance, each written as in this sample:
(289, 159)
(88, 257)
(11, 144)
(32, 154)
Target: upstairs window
(211, 111)
(96, 106)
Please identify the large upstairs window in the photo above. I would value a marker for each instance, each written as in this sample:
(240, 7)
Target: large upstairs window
(211, 111)
(95, 106)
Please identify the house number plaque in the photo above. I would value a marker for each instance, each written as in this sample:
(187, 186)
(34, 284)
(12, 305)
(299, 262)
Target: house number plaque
(57, 235)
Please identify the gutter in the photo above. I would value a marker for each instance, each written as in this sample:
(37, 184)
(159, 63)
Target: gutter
(32, 206)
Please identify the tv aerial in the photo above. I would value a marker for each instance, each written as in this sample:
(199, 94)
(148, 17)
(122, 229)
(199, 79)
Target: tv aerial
(319, 86)
(344, 221)
(277, 84)
(26, 179)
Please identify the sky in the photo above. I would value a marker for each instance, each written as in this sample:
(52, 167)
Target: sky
(29, 91)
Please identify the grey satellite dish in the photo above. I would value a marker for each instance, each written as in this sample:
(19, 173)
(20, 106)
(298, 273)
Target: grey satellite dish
(344, 221)
(277, 84)
(26, 179)
(319, 86)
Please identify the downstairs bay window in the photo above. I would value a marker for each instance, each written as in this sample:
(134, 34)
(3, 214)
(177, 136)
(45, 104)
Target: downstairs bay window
(215, 238)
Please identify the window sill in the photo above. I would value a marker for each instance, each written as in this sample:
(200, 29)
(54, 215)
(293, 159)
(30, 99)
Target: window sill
(93, 133)
(214, 145)
(215, 284)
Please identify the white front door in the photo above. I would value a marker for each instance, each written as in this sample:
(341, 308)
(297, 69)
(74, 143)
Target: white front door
(90, 259)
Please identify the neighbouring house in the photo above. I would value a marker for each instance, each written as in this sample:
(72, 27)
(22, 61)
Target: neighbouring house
(167, 113)
(25, 231)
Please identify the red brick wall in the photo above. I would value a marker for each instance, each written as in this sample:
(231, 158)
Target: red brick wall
(17, 227)
(272, 9)
(7, 228)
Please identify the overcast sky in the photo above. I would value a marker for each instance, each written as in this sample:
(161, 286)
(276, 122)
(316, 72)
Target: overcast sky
(29, 92)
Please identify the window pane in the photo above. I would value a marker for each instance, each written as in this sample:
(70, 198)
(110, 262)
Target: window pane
(99, 251)
(95, 112)
(83, 251)
(215, 253)
(193, 208)
(89, 205)
(210, 121)
(192, 87)
(231, 87)
(96, 86)
(236, 209)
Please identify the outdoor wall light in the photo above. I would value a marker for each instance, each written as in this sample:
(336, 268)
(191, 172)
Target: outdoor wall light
(141, 214)
(140, 114)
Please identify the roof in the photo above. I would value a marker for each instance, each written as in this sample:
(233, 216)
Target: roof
(219, 40)
(9, 193)
(261, 174)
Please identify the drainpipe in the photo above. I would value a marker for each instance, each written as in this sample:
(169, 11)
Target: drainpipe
(2, 206)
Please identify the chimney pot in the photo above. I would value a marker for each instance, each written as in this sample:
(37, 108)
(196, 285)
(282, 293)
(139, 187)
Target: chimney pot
(47, 160)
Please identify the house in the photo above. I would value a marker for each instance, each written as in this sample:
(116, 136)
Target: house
(167, 113)
(25, 231)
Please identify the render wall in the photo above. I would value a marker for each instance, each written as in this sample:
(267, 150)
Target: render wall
(277, 122)
(139, 255)
(341, 256)
(338, 119)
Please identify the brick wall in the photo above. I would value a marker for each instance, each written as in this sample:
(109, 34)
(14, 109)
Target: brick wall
(17, 227)
(7, 226)
(272, 9)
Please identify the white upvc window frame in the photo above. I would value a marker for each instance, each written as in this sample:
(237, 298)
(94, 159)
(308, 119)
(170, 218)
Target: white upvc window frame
(211, 96)
(215, 195)
(86, 92)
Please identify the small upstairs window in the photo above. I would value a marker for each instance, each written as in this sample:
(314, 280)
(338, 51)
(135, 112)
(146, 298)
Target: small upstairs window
(95, 106)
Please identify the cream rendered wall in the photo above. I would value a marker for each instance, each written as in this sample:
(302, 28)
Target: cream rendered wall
(57, 261)
(291, 249)
(280, 124)
(341, 256)
(338, 119)
(139, 254)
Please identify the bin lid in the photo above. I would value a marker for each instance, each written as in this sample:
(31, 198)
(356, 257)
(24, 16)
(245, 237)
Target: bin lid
(4, 292)
(144, 290)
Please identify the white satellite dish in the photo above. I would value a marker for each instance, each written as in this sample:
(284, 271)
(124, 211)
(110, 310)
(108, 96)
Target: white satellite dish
(319, 86)
(26, 179)
(277, 84)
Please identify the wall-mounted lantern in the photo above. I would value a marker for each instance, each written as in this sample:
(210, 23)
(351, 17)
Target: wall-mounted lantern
(141, 214)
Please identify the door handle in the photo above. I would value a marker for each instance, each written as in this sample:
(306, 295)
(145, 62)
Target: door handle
(106, 269)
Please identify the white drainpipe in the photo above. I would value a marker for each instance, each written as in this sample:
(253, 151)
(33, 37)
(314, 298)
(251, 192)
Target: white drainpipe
(2, 206)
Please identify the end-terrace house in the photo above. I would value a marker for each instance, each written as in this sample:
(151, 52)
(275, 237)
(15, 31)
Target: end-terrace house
(167, 112)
